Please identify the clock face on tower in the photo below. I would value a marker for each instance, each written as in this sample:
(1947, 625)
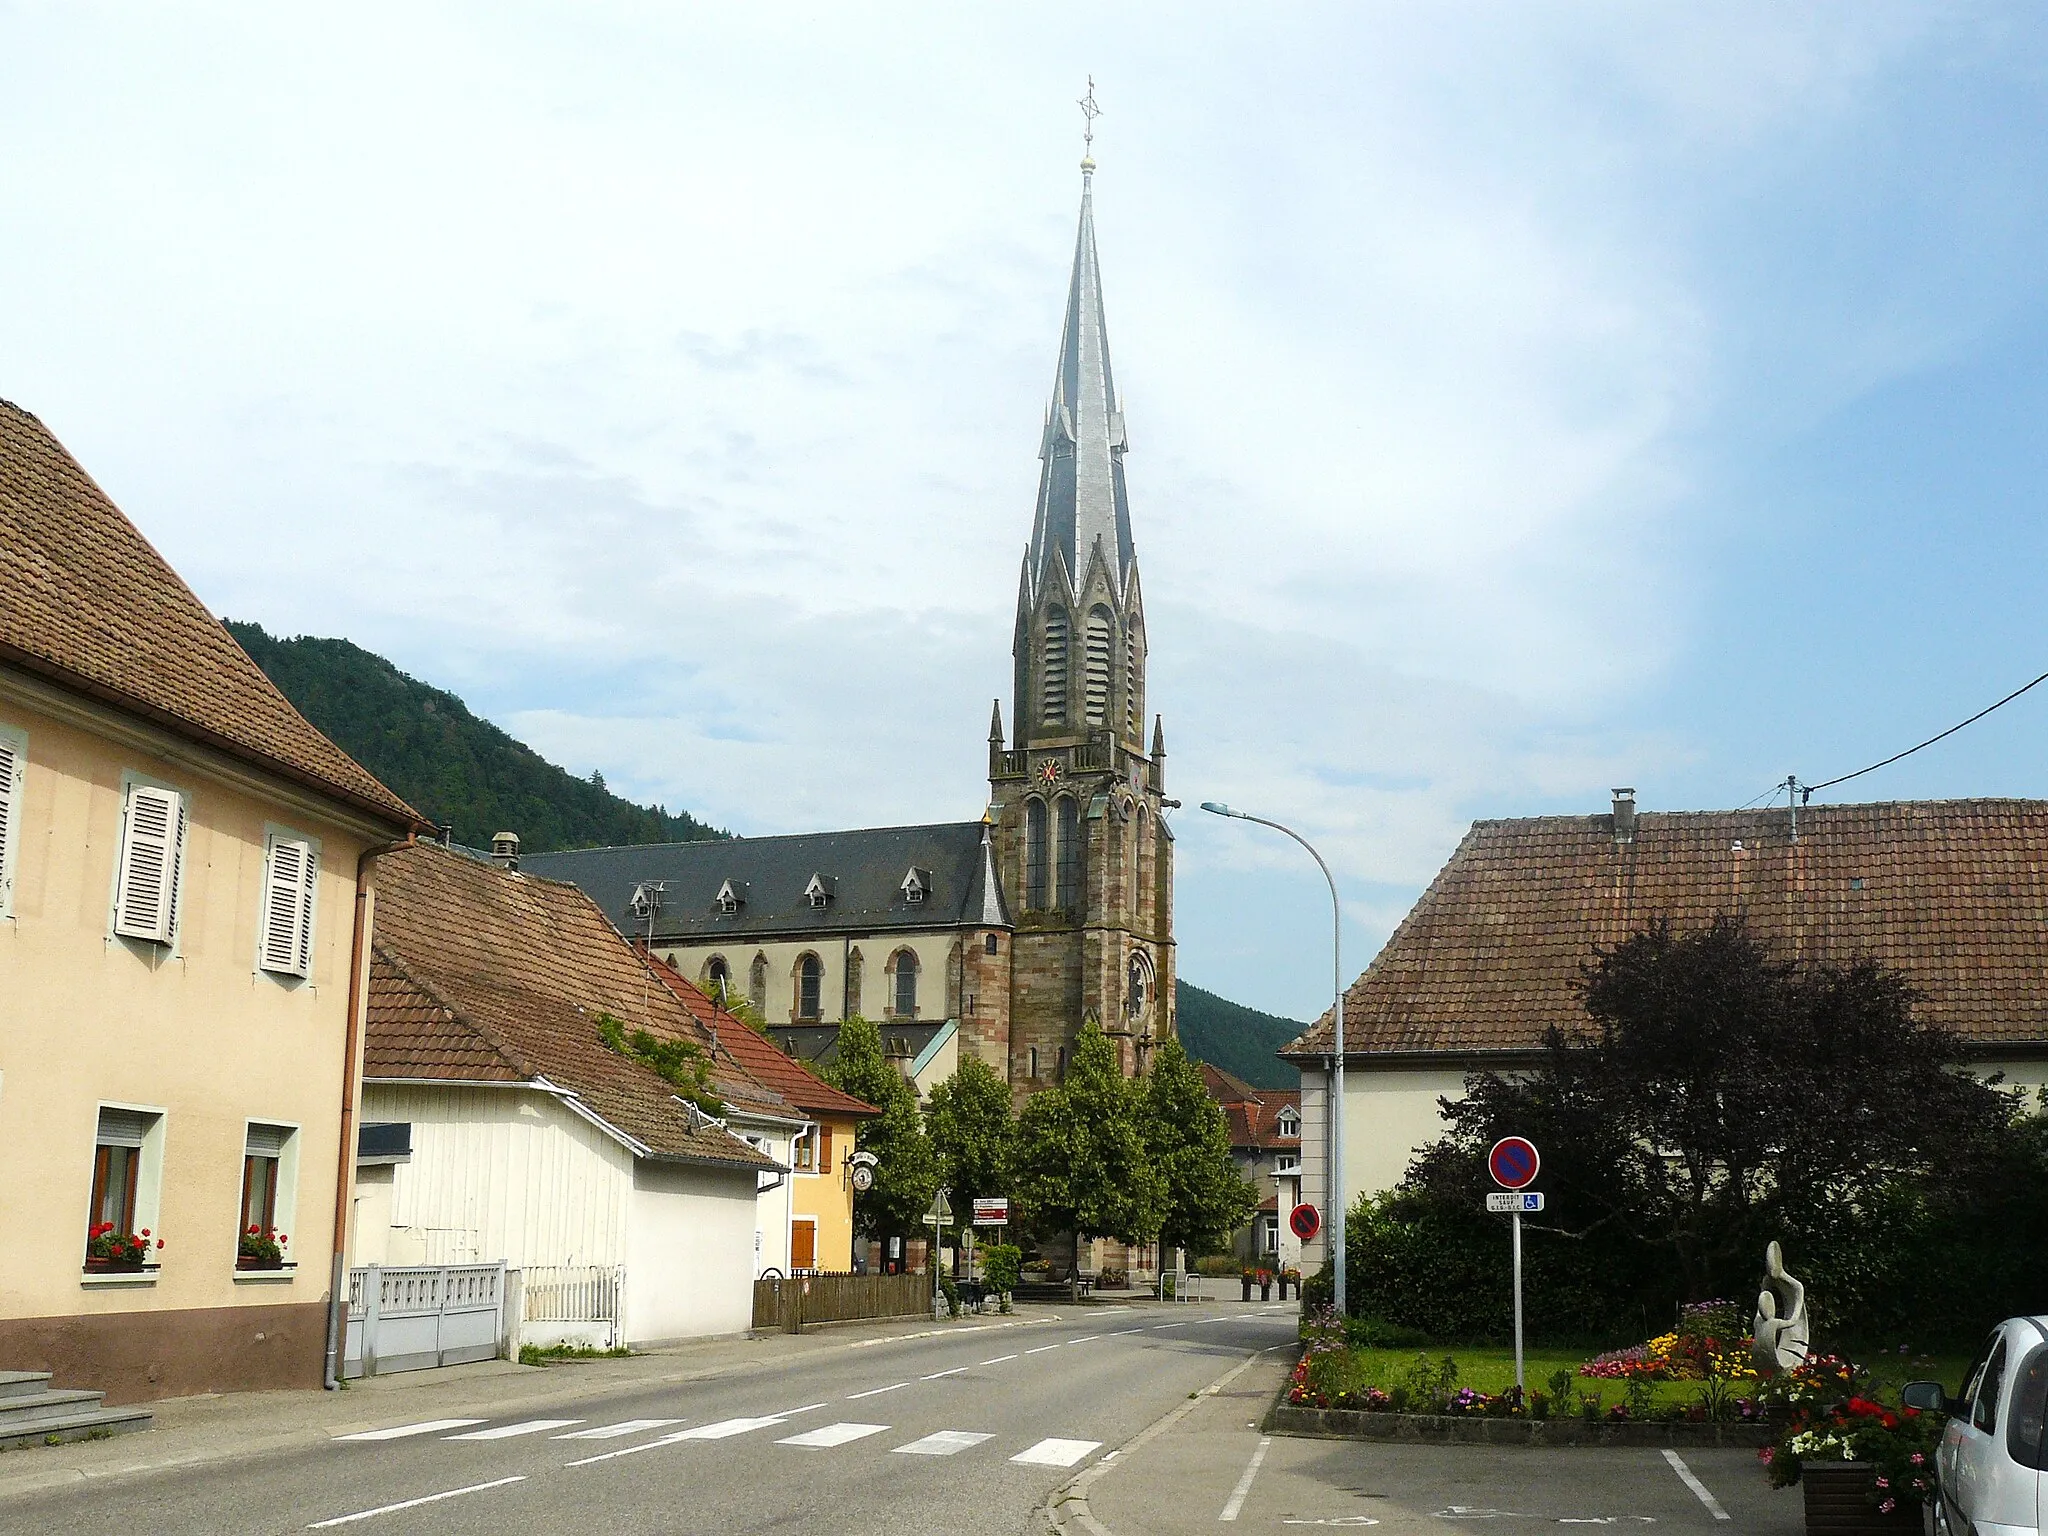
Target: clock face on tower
(1050, 772)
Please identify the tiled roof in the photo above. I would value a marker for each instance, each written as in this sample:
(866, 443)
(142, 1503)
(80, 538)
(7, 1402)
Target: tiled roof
(1952, 893)
(480, 974)
(85, 601)
(1253, 1113)
(865, 867)
(760, 1057)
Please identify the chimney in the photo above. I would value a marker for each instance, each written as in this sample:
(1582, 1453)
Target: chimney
(1624, 815)
(505, 850)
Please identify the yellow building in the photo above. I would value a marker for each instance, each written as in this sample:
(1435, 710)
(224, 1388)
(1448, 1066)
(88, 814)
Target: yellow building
(180, 929)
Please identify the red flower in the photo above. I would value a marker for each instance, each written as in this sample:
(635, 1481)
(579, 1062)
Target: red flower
(159, 1242)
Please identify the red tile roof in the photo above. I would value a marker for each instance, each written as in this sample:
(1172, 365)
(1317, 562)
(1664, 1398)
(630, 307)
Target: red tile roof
(1953, 893)
(1253, 1113)
(482, 975)
(87, 602)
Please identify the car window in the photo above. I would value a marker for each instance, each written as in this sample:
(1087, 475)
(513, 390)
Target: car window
(1974, 1377)
(2029, 1408)
(1984, 1406)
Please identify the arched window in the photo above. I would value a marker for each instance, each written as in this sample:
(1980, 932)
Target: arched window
(717, 977)
(1134, 891)
(1138, 991)
(757, 983)
(810, 989)
(1034, 854)
(856, 982)
(903, 991)
(1101, 639)
(1134, 694)
(1072, 871)
(1052, 689)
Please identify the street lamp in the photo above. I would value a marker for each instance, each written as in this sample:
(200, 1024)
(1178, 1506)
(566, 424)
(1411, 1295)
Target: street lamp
(1335, 1107)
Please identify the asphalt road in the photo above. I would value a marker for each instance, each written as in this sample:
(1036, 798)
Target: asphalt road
(968, 1433)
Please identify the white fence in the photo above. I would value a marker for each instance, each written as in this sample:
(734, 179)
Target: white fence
(413, 1319)
(572, 1304)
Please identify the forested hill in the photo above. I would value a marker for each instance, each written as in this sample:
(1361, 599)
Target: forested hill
(1238, 1039)
(452, 766)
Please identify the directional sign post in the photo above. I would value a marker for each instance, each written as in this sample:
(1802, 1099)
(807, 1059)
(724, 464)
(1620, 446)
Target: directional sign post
(938, 1218)
(1513, 1162)
(992, 1212)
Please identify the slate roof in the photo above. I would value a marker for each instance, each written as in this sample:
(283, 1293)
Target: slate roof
(907, 1040)
(1253, 1114)
(482, 975)
(87, 602)
(867, 868)
(760, 1057)
(1953, 893)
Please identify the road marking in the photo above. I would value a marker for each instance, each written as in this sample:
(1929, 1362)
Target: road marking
(613, 1431)
(999, 1359)
(432, 1498)
(724, 1429)
(1055, 1453)
(1086, 1338)
(944, 1442)
(1244, 1484)
(876, 1391)
(1121, 1332)
(939, 1375)
(834, 1434)
(513, 1431)
(1041, 1349)
(1685, 1476)
(404, 1430)
(1157, 1326)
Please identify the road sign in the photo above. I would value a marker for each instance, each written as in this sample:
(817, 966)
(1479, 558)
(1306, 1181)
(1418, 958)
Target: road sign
(1515, 1202)
(1513, 1162)
(941, 1213)
(1305, 1221)
(993, 1212)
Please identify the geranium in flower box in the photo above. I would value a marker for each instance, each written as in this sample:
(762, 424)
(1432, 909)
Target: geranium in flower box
(113, 1252)
(261, 1248)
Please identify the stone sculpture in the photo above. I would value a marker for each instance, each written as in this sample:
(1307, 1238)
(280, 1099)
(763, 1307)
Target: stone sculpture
(1781, 1329)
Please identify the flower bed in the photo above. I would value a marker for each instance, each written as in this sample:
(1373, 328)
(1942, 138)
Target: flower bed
(1829, 1418)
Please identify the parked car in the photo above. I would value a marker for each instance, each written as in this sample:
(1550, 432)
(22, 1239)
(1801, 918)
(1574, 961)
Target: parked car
(1993, 1461)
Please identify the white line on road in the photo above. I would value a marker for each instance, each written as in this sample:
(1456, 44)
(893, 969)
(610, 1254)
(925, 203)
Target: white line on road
(513, 1431)
(1086, 1338)
(939, 1375)
(1685, 1476)
(876, 1391)
(723, 1429)
(1055, 1453)
(1244, 1484)
(432, 1498)
(614, 1431)
(404, 1430)
(1122, 1332)
(1041, 1349)
(999, 1359)
(834, 1434)
(1157, 1326)
(944, 1442)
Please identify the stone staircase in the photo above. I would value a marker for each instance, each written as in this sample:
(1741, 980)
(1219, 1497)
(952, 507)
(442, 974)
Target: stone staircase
(31, 1413)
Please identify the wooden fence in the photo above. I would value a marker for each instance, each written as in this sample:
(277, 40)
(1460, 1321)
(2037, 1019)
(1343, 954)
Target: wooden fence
(788, 1303)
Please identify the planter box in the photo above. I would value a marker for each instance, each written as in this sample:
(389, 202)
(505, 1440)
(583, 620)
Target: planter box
(1839, 1503)
(1479, 1429)
(243, 1261)
(117, 1266)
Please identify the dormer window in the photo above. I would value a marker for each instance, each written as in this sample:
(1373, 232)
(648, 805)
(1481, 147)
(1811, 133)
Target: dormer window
(821, 890)
(1290, 1124)
(916, 886)
(731, 896)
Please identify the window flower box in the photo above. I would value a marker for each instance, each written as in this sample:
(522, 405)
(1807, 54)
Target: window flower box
(108, 1252)
(261, 1248)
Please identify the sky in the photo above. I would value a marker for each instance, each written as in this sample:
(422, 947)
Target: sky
(1524, 399)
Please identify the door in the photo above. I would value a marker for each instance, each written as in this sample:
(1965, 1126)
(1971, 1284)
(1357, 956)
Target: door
(803, 1246)
(1970, 1443)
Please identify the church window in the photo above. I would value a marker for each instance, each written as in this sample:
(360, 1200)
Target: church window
(1032, 1073)
(990, 944)
(1060, 1069)
(1052, 692)
(903, 968)
(1068, 894)
(757, 982)
(810, 989)
(1134, 703)
(856, 981)
(1101, 633)
(1132, 888)
(717, 977)
(1140, 988)
(1034, 854)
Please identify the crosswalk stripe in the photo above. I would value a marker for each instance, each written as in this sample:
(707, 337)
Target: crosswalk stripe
(834, 1434)
(1055, 1453)
(613, 1431)
(403, 1430)
(513, 1431)
(725, 1429)
(944, 1442)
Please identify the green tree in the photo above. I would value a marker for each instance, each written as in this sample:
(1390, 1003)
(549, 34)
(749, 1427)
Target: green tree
(906, 1173)
(1207, 1199)
(972, 1131)
(1082, 1166)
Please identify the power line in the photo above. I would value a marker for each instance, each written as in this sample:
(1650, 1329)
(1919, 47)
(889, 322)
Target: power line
(1808, 789)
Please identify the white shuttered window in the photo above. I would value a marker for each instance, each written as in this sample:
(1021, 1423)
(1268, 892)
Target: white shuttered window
(152, 848)
(288, 907)
(13, 769)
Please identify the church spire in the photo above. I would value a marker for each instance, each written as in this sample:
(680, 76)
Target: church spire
(1081, 500)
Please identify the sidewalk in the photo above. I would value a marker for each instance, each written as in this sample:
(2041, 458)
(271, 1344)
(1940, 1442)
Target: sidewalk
(195, 1431)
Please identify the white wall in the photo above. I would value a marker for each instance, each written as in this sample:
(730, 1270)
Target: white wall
(773, 1208)
(690, 1253)
(1390, 1115)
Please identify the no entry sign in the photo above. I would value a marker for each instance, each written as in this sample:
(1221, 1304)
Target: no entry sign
(1305, 1221)
(1513, 1162)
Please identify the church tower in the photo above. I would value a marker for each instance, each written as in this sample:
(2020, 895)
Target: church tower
(1076, 796)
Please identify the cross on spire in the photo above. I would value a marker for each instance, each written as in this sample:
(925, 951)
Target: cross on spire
(1089, 112)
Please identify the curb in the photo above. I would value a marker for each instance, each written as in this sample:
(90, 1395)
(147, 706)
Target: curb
(1477, 1429)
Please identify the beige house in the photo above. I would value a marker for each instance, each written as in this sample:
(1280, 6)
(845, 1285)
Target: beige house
(179, 928)
(1949, 892)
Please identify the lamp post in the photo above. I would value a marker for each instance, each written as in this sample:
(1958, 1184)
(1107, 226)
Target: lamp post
(1335, 1105)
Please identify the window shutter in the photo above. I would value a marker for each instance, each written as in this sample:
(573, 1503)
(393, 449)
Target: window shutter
(288, 908)
(122, 1127)
(267, 1140)
(310, 884)
(150, 848)
(10, 814)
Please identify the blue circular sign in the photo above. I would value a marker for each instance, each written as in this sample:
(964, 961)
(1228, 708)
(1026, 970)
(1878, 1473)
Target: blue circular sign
(1513, 1162)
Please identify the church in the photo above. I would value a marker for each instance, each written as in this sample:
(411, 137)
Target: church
(1000, 936)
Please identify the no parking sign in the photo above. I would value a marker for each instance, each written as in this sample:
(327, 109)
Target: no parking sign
(1513, 1162)
(1305, 1221)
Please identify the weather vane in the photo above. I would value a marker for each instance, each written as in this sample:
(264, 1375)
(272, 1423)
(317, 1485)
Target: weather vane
(1089, 112)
